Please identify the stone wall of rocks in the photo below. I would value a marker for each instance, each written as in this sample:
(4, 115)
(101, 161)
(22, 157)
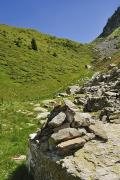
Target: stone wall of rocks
(80, 140)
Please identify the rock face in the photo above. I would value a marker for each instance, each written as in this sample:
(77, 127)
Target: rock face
(81, 143)
(112, 24)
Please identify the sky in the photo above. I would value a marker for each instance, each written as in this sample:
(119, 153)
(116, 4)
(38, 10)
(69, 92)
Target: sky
(78, 20)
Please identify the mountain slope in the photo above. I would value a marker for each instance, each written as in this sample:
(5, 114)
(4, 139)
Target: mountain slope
(107, 45)
(26, 73)
(112, 24)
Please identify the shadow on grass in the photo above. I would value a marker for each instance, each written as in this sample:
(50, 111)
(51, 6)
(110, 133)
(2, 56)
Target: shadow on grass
(20, 173)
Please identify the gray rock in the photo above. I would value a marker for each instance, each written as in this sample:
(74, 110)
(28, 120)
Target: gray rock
(69, 145)
(82, 131)
(116, 121)
(32, 136)
(71, 109)
(63, 126)
(40, 109)
(89, 136)
(73, 89)
(82, 120)
(63, 135)
(57, 120)
(49, 103)
(71, 106)
(110, 66)
(42, 115)
(104, 118)
(97, 129)
(111, 94)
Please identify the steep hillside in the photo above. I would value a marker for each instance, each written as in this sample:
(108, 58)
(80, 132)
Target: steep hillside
(112, 24)
(107, 49)
(27, 73)
(107, 44)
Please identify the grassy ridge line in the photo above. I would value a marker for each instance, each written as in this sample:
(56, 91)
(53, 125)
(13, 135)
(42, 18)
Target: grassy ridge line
(29, 74)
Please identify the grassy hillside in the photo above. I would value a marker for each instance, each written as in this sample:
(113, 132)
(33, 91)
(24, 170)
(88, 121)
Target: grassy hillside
(29, 74)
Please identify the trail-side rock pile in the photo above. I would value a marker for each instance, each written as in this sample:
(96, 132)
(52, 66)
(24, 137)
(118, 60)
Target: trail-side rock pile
(81, 140)
(102, 93)
(68, 129)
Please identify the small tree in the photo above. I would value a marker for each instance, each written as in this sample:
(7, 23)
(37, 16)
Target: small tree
(34, 44)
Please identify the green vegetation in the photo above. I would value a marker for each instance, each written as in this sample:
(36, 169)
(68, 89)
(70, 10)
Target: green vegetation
(34, 45)
(33, 66)
(115, 33)
(29, 74)
(15, 128)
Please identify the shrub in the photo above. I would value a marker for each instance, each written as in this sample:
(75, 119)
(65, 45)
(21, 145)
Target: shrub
(34, 44)
(55, 54)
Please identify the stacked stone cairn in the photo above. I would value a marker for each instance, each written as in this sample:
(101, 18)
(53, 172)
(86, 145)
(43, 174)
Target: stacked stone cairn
(67, 129)
(80, 138)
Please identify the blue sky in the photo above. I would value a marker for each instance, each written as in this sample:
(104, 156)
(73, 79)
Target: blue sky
(79, 20)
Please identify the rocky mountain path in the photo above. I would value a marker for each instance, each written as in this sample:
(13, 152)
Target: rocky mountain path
(81, 133)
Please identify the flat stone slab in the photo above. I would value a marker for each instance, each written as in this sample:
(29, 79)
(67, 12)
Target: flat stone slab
(70, 105)
(70, 145)
(64, 134)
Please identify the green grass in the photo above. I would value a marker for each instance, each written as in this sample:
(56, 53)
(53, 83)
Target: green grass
(115, 33)
(15, 128)
(25, 75)
(29, 74)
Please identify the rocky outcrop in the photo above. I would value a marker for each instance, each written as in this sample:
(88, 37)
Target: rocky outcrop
(81, 140)
(112, 24)
(102, 94)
